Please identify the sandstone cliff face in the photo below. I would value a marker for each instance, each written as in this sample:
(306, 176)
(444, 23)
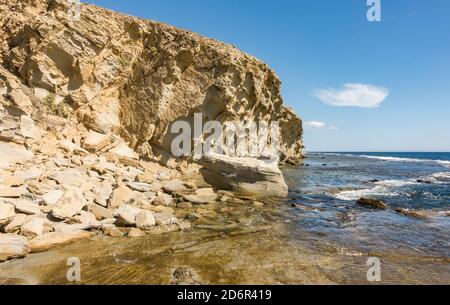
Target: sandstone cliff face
(133, 77)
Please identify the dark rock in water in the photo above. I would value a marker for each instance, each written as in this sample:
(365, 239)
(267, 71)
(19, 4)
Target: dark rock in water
(373, 203)
(420, 214)
(374, 180)
(185, 276)
(423, 181)
(324, 164)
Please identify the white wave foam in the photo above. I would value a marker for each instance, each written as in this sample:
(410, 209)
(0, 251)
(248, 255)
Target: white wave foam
(395, 183)
(382, 188)
(396, 159)
(437, 178)
(444, 162)
(378, 190)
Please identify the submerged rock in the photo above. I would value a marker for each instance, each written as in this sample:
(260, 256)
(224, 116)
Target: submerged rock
(420, 214)
(134, 233)
(372, 203)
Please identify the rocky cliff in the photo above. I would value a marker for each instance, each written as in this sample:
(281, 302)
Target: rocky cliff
(119, 74)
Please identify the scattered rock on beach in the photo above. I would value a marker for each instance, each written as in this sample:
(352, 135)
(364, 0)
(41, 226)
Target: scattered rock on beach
(145, 220)
(201, 196)
(134, 233)
(26, 206)
(120, 196)
(35, 226)
(7, 212)
(47, 241)
(13, 246)
(164, 200)
(69, 205)
(126, 215)
(52, 197)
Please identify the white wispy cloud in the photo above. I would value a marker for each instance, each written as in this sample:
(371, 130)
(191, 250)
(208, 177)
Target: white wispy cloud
(314, 124)
(353, 95)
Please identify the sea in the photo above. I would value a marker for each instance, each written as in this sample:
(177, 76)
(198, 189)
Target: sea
(325, 190)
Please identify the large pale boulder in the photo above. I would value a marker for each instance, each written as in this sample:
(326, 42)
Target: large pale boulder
(145, 220)
(52, 197)
(26, 206)
(120, 196)
(126, 215)
(7, 213)
(69, 205)
(16, 223)
(11, 192)
(13, 246)
(70, 177)
(164, 200)
(244, 175)
(47, 241)
(201, 196)
(96, 141)
(28, 129)
(34, 226)
(11, 154)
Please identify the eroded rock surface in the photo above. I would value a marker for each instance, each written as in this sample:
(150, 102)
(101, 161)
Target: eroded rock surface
(121, 74)
(86, 110)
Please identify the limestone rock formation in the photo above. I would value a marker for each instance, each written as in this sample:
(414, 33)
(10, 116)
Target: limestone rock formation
(132, 77)
(245, 175)
(86, 109)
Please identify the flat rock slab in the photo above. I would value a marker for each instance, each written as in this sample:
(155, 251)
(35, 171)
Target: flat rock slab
(12, 192)
(13, 246)
(96, 141)
(202, 196)
(54, 239)
(70, 177)
(7, 212)
(11, 153)
(26, 206)
(175, 186)
(140, 186)
(52, 197)
(69, 205)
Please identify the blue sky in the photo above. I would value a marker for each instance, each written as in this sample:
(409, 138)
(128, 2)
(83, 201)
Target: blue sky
(327, 55)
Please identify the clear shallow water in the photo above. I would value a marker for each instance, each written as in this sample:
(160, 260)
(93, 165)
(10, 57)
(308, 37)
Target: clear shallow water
(317, 236)
(327, 187)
